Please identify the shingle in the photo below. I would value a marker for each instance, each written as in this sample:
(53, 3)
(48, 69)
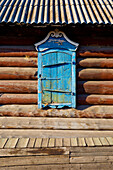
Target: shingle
(56, 11)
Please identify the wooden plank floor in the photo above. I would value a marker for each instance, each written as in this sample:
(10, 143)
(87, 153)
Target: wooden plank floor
(77, 153)
(55, 142)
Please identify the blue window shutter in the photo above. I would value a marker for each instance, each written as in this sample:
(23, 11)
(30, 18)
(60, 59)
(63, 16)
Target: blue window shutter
(56, 72)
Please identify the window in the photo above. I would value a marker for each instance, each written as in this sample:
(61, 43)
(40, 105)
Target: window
(56, 71)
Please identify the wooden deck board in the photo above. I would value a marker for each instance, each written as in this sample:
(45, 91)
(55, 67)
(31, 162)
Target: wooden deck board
(55, 142)
(56, 153)
(22, 143)
(11, 143)
(110, 140)
(74, 142)
(31, 143)
(51, 142)
(2, 142)
(59, 142)
(89, 142)
(38, 143)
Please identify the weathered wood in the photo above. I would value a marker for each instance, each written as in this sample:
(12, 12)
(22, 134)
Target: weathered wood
(95, 87)
(95, 99)
(81, 142)
(95, 62)
(97, 141)
(89, 142)
(100, 149)
(45, 133)
(18, 54)
(100, 111)
(22, 143)
(42, 167)
(96, 74)
(82, 111)
(44, 142)
(18, 86)
(93, 153)
(28, 86)
(34, 160)
(18, 73)
(12, 152)
(58, 142)
(32, 99)
(51, 142)
(66, 142)
(92, 166)
(3, 142)
(55, 123)
(95, 54)
(104, 141)
(27, 61)
(38, 143)
(74, 142)
(91, 159)
(110, 140)
(11, 143)
(18, 99)
(31, 143)
(88, 166)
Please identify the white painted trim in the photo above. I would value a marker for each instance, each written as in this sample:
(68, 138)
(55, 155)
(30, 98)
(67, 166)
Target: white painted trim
(56, 34)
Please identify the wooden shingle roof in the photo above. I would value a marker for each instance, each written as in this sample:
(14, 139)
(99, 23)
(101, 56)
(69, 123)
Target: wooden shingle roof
(56, 11)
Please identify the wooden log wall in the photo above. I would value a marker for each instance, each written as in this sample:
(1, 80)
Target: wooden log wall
(18, 81)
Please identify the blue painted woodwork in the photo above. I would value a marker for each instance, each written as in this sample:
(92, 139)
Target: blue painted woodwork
(56, 71)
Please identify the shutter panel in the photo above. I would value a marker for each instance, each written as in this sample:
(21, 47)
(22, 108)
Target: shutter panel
(56, 79)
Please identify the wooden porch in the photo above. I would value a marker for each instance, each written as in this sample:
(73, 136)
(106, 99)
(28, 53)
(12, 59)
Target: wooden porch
(52, 143)
(52, 153)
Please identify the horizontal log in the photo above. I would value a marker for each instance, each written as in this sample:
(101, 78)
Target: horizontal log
(26, 86)
(94, 54)
(95, 62)
(18, 73)
(95, 99)
(18, 54)
(56, 123)
(99, 111)
(32, 98)
(82, 111)
(31, 73)
(95, 74)
(95, 87)
(18, 86)
(18, 98)
(84, 51)
(18, 61)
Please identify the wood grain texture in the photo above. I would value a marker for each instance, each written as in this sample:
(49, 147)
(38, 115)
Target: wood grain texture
(95, 87)
(95, 74)
(32, 99)
(18, 86)
(11, 143)
(3, 142)
(95, 99)
(26, 61)
(56, 123)
(95, 62)
(28, 86)
(8, 161)
(9, 73)
(18, 99)
(18, 54)
(82, 111)
(22, 143)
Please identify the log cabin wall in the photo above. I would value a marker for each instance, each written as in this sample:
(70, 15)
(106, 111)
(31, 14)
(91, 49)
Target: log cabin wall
(18, 71)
